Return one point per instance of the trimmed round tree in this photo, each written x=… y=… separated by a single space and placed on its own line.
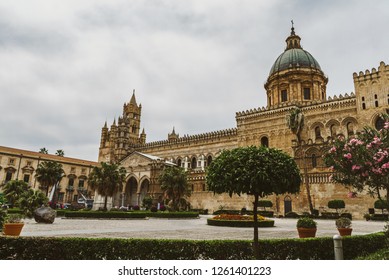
x=336 y=204
x=257 y=171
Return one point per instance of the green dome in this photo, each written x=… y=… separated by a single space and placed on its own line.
x=293 y=58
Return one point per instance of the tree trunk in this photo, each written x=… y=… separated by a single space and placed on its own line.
x=256 y=241
x=105 y=202
x=307 y=188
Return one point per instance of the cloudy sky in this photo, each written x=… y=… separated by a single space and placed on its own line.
x=66 y=67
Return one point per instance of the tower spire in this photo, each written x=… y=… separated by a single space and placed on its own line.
x=133 y=100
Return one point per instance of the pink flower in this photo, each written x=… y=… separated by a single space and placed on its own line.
x=332 y=150
x=377 y=171
x=386 y=125
x=355 y=167
x=355 y=142
x=385 y=166
x=348 y=156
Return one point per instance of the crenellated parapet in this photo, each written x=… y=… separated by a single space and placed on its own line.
x=188 y=139
x=372 y=88
x=280 y=109
x=373 y=74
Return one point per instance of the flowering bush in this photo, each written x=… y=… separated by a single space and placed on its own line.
x=363 y=160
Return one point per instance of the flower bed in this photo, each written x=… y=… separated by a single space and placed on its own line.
x=234 y=220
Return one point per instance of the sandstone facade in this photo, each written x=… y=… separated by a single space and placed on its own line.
x=17 y=164
x=295 y=81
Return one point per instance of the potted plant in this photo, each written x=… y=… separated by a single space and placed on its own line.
x=13 y=224
x=306 y=227
x=343 y=225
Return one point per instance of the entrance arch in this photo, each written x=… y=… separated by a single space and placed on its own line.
x=144 y=189
x=130 y=192
x=287 y=204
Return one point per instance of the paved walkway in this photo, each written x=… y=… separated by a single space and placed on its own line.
x=196 y=229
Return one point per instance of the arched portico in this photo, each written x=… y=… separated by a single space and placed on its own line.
x=144 y=189
x=130 y=195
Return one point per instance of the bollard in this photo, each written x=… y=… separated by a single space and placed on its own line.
x=338 y=247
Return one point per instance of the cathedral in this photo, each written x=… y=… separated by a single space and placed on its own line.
x=295 y=80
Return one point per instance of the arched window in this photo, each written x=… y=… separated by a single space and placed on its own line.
x=314 y=161
x=209 y=160
x=379 y=123
x=284 y=95
x=317 y=132
x=179 y=161
x=265 y=141
x=194 y=163
x=333 y=131
x=350 y=129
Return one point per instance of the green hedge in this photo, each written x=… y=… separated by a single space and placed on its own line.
x=379 y=217
x=105 y=215
x=128 y=214
x=169 y=215
x=226 y=223
x=41 y=248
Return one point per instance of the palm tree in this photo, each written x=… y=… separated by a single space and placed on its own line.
x=107 y=180
x=60 y=153
x=31 y=200
x=174 y=183
x=43 y=151
x=13 y=190
x=295 y=122
x=48 y=174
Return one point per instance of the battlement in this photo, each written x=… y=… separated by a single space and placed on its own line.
x=191 y=138
x=279 y=108
x=371 y=75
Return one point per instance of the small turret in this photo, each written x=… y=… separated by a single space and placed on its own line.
x=173 y=136
x=143 y=137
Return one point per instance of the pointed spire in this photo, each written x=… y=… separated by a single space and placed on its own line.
x=133 y=100
x=105 y=124
x=114 y=121
x=143 y=131
x=174 y=131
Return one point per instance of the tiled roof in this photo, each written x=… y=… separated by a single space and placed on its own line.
x=31 y=154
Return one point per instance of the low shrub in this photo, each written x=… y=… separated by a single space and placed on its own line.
x=346 y=215
x=336 y=204
x=173 y=215
x=136 y=208
x=293 y=215
x=153 y=209
x=105 y=215
x=329 y=215
x=381 y=204
x=66 y=248
x=269 y=214
x=379 y=217
x=265 y=203
x=306 y=222
x=239 y=223
x=223 y=211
